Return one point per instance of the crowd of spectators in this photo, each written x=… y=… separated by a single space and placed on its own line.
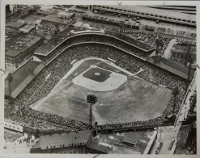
x=96 y=38
x=59 y=66
x=32 y=120
x=150 y=38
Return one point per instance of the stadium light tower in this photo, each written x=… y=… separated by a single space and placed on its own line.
x=91 y=99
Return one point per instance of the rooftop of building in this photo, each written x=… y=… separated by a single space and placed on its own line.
x=54 y=18
x=180 y=48
x=154 y=11
x=183 y=9
x=20 y=43
x=64 y=13
x=28 y=27
x=45 y=9
x=11 y=33
x=22 y=77
x=115 y=142
x=183 y=134
x=66 y=139
x=15 y=25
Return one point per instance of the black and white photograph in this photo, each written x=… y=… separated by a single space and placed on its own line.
x=100 y=79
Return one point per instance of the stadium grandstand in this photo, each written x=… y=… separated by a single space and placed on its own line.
x=114 y=39
x=56 y=70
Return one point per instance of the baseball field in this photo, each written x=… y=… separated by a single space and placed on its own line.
x=134 y=99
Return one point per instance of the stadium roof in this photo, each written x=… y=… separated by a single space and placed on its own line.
x=65 y=139
x=20 y=44
x=22 y=77
x=161 y=12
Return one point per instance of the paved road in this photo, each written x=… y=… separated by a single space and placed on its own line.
x=165 y=135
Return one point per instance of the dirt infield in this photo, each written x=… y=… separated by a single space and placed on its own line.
x=96 y=74
x=135 y=100
x=98 y=79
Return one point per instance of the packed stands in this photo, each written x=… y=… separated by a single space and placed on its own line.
x=58 y=66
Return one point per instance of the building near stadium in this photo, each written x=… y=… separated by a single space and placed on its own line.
x=15 y=25
x=11 y=33
x=65 y=15
x=73 y=143
x=61 y=19
x=22 y=77
x=21 y=48
x=182 y=52
x=112 y=21
x=83 y=142
x=27 y=28
x=150 y=13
